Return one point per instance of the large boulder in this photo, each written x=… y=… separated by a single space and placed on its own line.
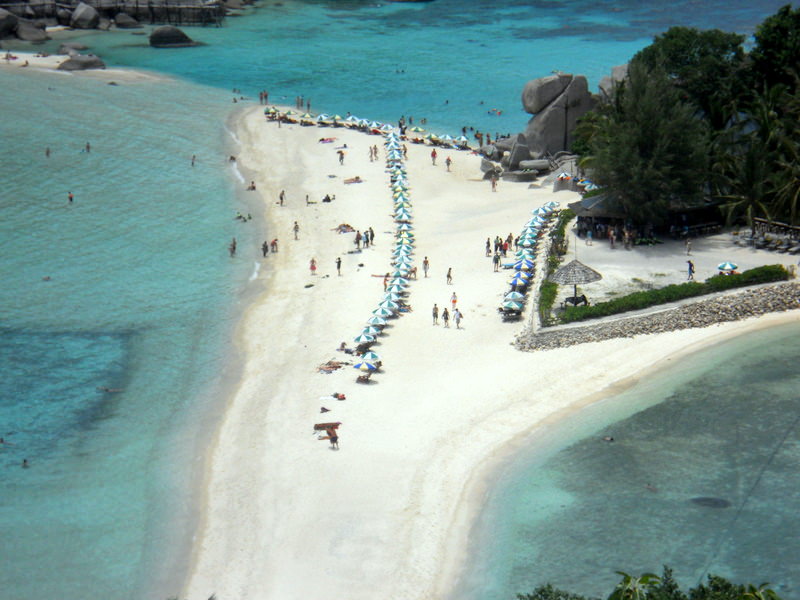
x=618 y=75
x=71 y=48
x=519 y=152
x=63 y=16
x=550 y=130
x=8 y=23
x=82 y=62
x=538 y=93
x=29 y=32
x=170 y=37
x=125 y=21
x=541 y=164
x=84 y=17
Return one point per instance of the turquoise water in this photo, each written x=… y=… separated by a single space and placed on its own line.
x=140 y=298
x=142 y=295
x=721 y=424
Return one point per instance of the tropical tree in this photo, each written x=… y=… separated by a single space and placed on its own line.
x=647 y=149
x=776 y=54
x=634 y=588
x=706 y=66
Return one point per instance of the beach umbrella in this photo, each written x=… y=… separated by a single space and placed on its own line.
x=551 y=205
x=374 y=125
x=527 y=243
x=417 y=129
x=402 y=215
x=386 y=128
x=590 y=187
x=370 y=330
x=431 y=137
x=389 y=304
x=514 y=296
x=518 y=281
x=290 y=112
x=405 y=227
x=364 y=338
x=322 y=117
x=540 y=212
x=363 y=123
x=370 y=356
x=365 y=365
x=402 y=251
x=270 y=111
x=575 y=273
x=512 y=305
x=727 y=266
x=336 y=118
x=396 y=290
x=399 y=281
x=306 y=116
x=399 y=273
x=376 y=321
x=382 y=312
x=402 y=261
x=352 y=119
x=523 y=265
x=461 y=139
x=446 y=138
x=524 y=253
x=563 y=176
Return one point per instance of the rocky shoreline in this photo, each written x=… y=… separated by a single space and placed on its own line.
x=730 y=307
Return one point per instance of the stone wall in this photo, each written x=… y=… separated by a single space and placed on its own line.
x=720 y=309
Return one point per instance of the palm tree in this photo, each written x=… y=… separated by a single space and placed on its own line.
x=761 y=592
x=634 y=588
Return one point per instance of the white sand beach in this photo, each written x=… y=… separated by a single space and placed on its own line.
x=388 y=514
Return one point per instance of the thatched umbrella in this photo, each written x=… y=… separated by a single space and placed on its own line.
x=574 y=273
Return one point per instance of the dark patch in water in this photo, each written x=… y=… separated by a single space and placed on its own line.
x=711 y=502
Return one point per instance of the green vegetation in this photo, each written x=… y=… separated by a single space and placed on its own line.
x=549 y=290
x=652 y=587
x=675 y=292
x=700 y=120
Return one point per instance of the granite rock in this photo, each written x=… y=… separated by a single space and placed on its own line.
x=84 y=17
x=30 y=32
x=538 y=93
x=82 y=62
x=8 y=23
x=125 y=21
x=170 y=37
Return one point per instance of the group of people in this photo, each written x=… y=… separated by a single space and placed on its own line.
x=446 y=314
x=366 y=238
x=269 y=247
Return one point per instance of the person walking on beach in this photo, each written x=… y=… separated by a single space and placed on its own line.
x=274 y=245
x=433 y=156
x=448 y=161
x=688 y=247
x=312 y=266
x=488 y=247
x=371 y=237
x=425 y=266
x=690 y=269
x=264 y=248
x=232 y=248
x=296 y=229
x=385 y=282
x=457 y=316
x=357 y=241
x=341 y=156
x=496 y=262
x=339 y=266
x=449 y=275
x=446 y=318
x=494 y=183
x=282 y=197
x=453 y=301
x=435 y=314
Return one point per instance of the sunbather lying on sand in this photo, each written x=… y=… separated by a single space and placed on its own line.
x=327 y=140
x=344 y=228
x=331 y=366
x=355 y=179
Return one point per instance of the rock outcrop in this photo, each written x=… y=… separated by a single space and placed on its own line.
x=29 y=31
x=81 y=62
x=125 y=21
x=557 y=102
x=71 y=48
x=607 y=83
x=170 y=37
x=8 y=23
x=84 y=17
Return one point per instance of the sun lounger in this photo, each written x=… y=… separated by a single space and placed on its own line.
x=364 y=378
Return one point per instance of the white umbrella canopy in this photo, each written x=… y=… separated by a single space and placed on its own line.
x=399 y=273
x=323 y=118
x=393 y=295
x=402 y=251
x=399 y=281
x=402 y=260
x=363 y=338
x=370 y=356
x=405 y=227
x=389 y=304
x=514 y=296
x=376 y=321
x=365 y=366
x=395 y=290
x=382 y=312
x=512 y=305
x=370 y=330
x=386 y=128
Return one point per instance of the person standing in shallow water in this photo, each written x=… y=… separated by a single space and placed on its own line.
x=449 y=276
x=264 y=248
x=232 y=248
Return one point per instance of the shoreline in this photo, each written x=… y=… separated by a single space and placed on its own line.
x=388 y=513
x=488 y=472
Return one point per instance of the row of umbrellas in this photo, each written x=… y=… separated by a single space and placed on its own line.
x=514 y=299
x=365 y=124
x=397 y=284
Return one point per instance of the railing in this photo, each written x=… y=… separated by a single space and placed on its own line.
x=145 y=11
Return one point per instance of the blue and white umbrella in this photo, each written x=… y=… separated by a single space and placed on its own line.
x=523 y=265
x=370 y=356
x=323 y=118
x=386 y=128
x=512 y=305
x=405 y=227
x=376 y=321
x=370 y=330
x=365 y=366
x=514 y=296
x=389 y=304
x=727 y=266
x=382 y=312
x=364 y=338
